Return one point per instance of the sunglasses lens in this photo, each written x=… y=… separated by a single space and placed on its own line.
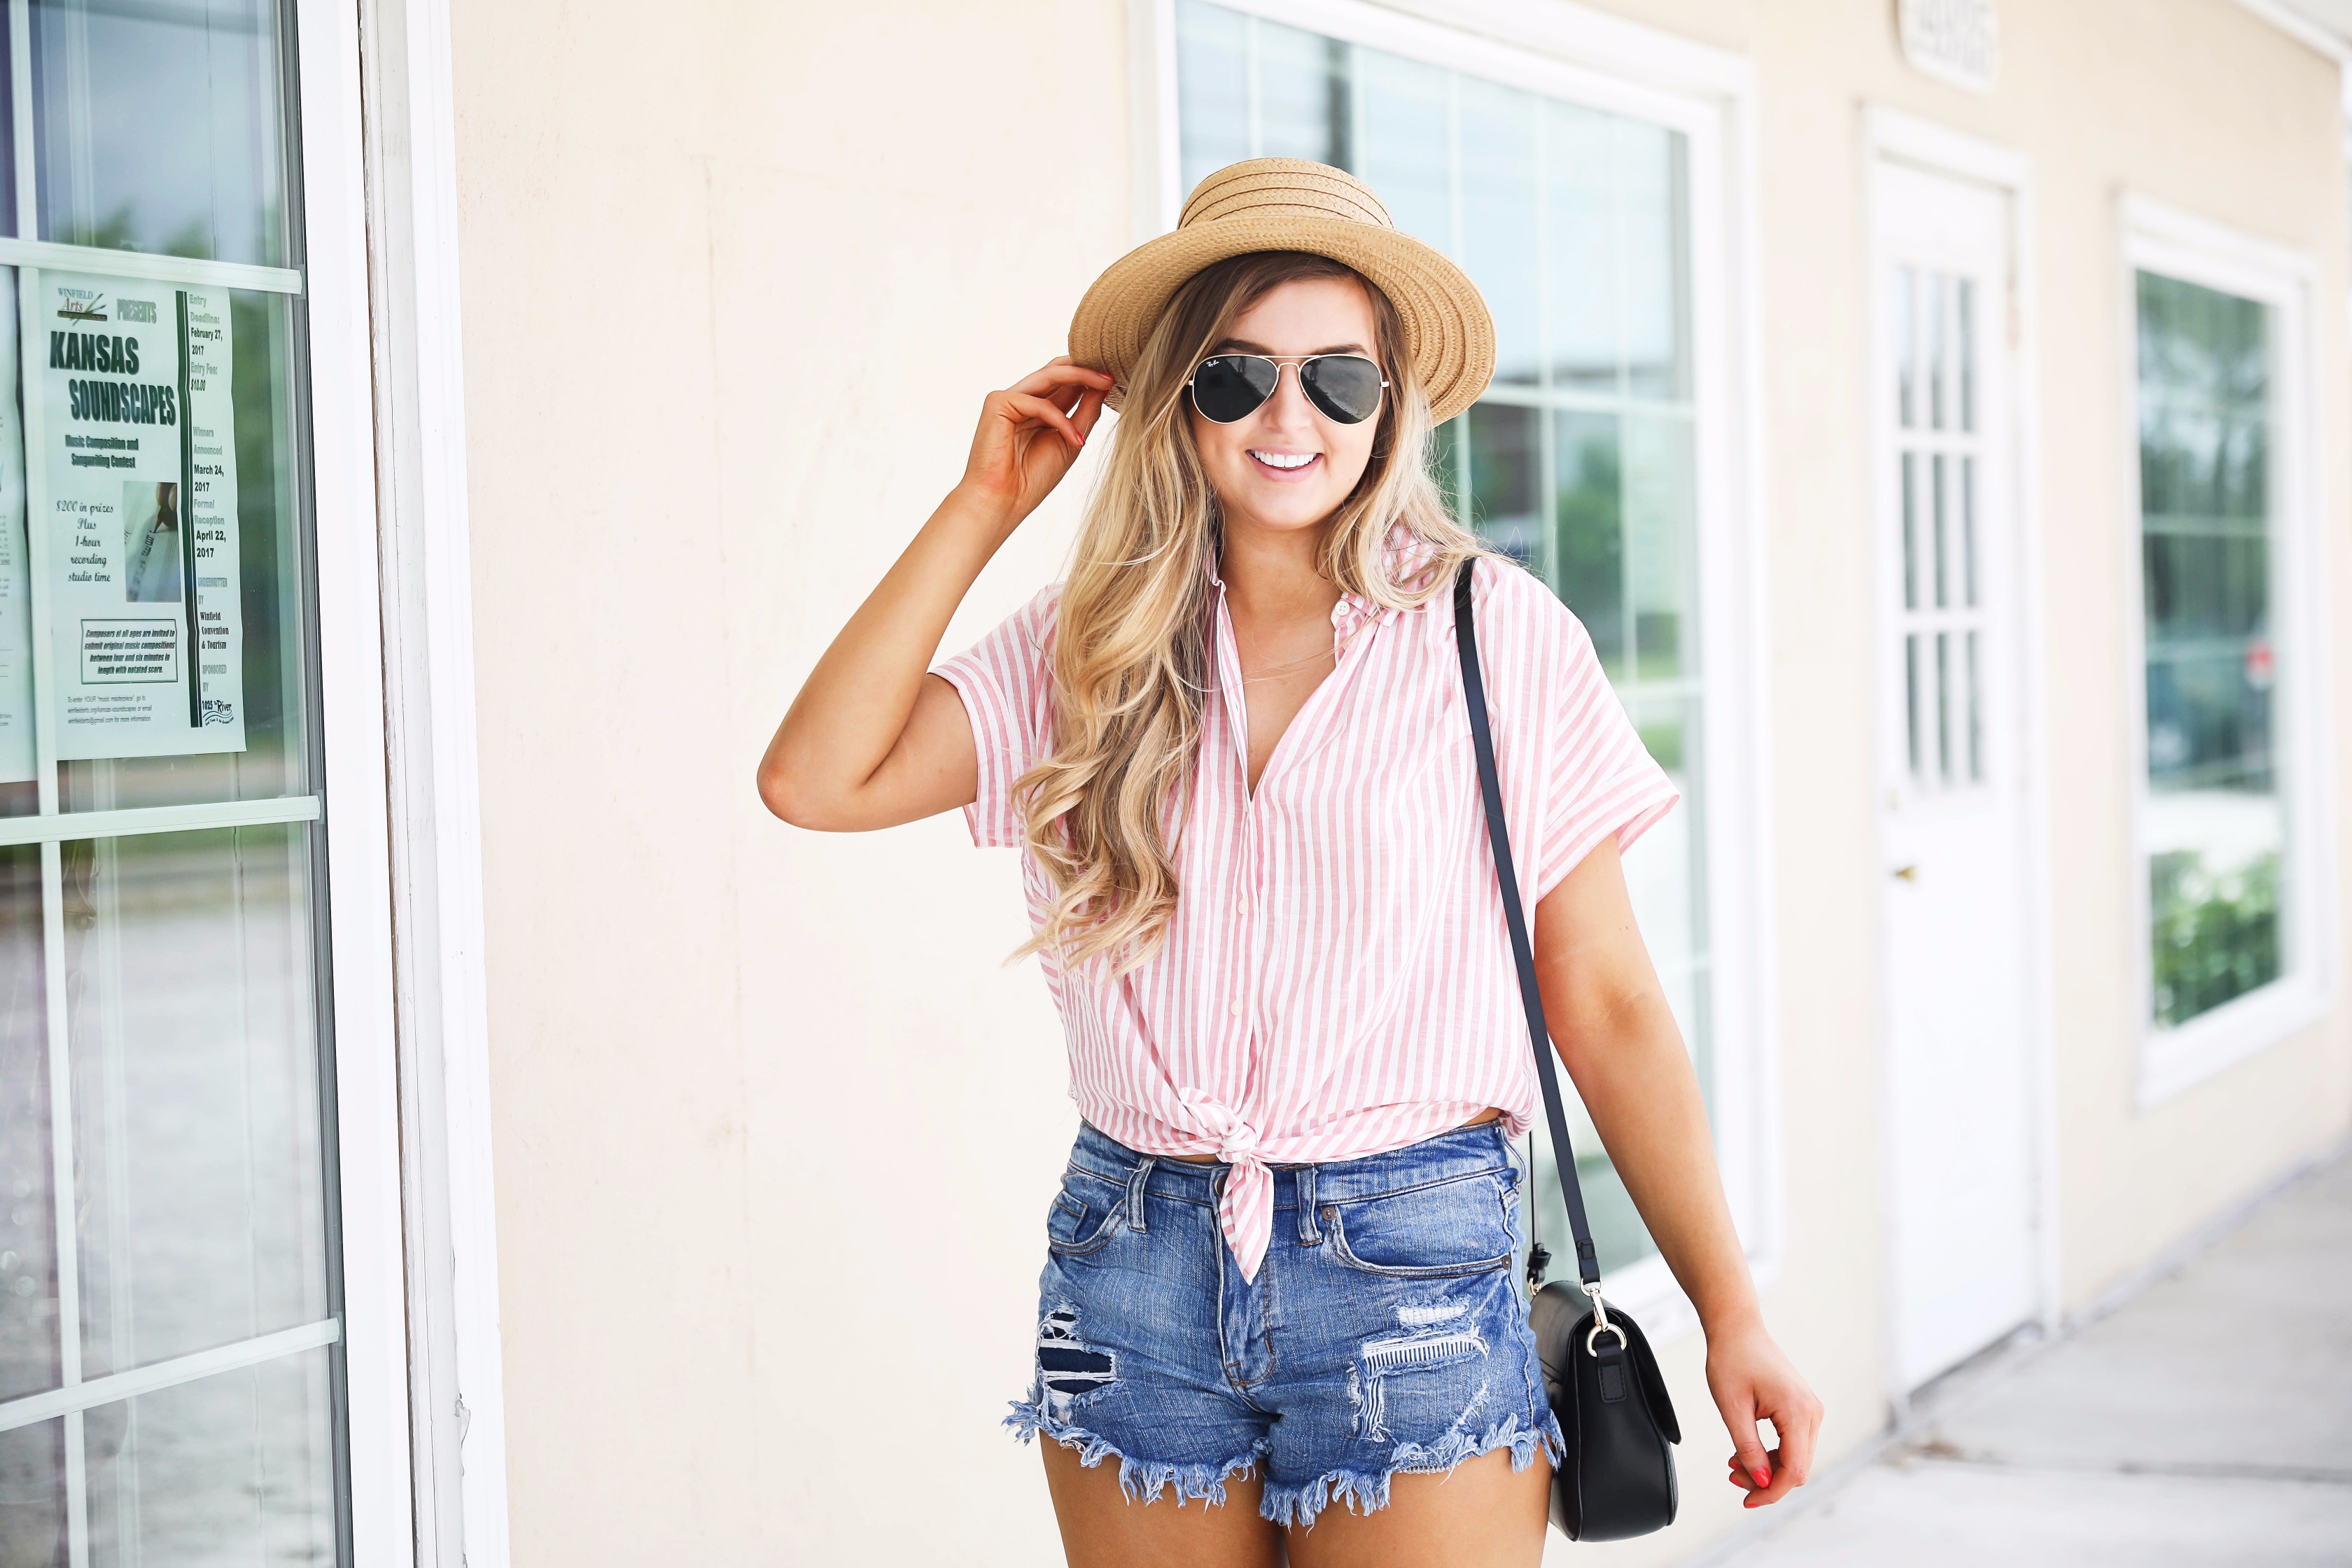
x=1231 y=386
x=1345 y=386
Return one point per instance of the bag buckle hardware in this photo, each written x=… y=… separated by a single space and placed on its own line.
x=1600 y=1320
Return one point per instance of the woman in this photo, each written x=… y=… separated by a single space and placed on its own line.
x=1235 y=751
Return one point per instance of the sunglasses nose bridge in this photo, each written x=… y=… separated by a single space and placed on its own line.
x=1300 y=403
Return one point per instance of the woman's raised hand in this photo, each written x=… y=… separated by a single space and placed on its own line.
x=1029 y=436
x=873 y=739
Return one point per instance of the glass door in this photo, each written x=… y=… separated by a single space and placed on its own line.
x=171 y=1375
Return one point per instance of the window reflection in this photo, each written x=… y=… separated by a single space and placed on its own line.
x=1213 y=88
x=1403 y=131
x=1587 y=300
x=158 y=127
x=1589 y=567
x=1501 y=243
x=1660 y=520
x=1301 y=95
x=2216 y=826
x=1505 y=458
x=28 y=1214
x=32 y=1496
x=231 y=1469
x=195 y=1090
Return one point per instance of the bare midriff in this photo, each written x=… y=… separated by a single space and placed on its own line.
x=1489 y=1114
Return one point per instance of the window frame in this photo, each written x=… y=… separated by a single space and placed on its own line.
x=2160 y=238
x=1604 y=62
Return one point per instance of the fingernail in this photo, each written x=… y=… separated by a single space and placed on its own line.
x=1763 y=1479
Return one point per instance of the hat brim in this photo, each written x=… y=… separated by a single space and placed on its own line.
x=1449 y=335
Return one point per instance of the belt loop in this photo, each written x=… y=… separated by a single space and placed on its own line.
x=1136 y=1180
x=1308 y=1236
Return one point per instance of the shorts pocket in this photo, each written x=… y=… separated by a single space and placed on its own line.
x=1439 y=1232
x=1075 y=1226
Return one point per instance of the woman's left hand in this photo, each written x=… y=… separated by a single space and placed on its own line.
x=1752 y=1381
x=1615 y=1033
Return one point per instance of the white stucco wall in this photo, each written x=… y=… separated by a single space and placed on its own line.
x=774 y=1127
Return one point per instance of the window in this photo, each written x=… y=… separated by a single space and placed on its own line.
x=171 y=1314
x=2216 y=826
x=2223 y=665
x=1940 y=453
x=1582 y=459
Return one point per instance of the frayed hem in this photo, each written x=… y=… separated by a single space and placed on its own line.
x=1297 y=1507
x=1142 y=1481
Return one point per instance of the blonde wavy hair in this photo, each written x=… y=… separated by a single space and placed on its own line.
x=1131 y=652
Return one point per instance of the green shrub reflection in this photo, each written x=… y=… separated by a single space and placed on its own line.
x=2216 y=933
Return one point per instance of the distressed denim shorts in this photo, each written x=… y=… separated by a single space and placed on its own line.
x=1385 y=1331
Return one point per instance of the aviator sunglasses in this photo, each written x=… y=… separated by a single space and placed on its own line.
x=1343 y=387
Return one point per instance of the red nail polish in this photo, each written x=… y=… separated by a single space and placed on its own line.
x=1762 y=1478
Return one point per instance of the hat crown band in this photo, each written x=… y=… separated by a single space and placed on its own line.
x=1289 y=186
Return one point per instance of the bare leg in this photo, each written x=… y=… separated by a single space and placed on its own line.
x=1101 y=1529
x=1482 y=1515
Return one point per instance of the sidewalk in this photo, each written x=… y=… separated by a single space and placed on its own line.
x=2207 y=1421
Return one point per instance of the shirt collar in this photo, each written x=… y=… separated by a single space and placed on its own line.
x=1404 y=554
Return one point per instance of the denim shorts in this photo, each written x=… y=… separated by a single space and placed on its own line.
x=1385 y=1331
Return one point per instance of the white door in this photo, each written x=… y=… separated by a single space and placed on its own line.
x=1952 y=775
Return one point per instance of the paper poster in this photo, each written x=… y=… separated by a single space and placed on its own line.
x=136 y=458
x=16 y=582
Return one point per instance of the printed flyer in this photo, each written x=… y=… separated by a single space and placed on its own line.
x=135 y=453
x=16 y=582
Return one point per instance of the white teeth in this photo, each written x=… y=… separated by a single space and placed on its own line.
x=1283 y=460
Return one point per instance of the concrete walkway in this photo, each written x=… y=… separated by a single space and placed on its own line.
x=2207 y=1421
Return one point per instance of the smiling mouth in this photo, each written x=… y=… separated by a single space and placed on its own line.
x=1289 y=465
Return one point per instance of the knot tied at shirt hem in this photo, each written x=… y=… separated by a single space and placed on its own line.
x=1245 y=1209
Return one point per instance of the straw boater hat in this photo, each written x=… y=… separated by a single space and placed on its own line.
x=1289 y=203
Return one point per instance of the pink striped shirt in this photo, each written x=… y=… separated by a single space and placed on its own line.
x=1335 y=979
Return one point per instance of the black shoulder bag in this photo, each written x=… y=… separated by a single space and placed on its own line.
x=1618 y=1480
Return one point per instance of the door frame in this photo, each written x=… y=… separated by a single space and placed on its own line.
x=1891 y=137
x=407 y=158
x=428 y=1467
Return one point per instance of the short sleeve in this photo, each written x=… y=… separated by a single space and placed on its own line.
x=1596 y=778
x=1005 y=682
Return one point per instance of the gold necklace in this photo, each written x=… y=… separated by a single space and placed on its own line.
x=1270 y=671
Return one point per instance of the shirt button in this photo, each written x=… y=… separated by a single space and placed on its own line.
x=1242 y=905
x=1237 y=1009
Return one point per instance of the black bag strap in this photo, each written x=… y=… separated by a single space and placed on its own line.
x=1490 y=786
